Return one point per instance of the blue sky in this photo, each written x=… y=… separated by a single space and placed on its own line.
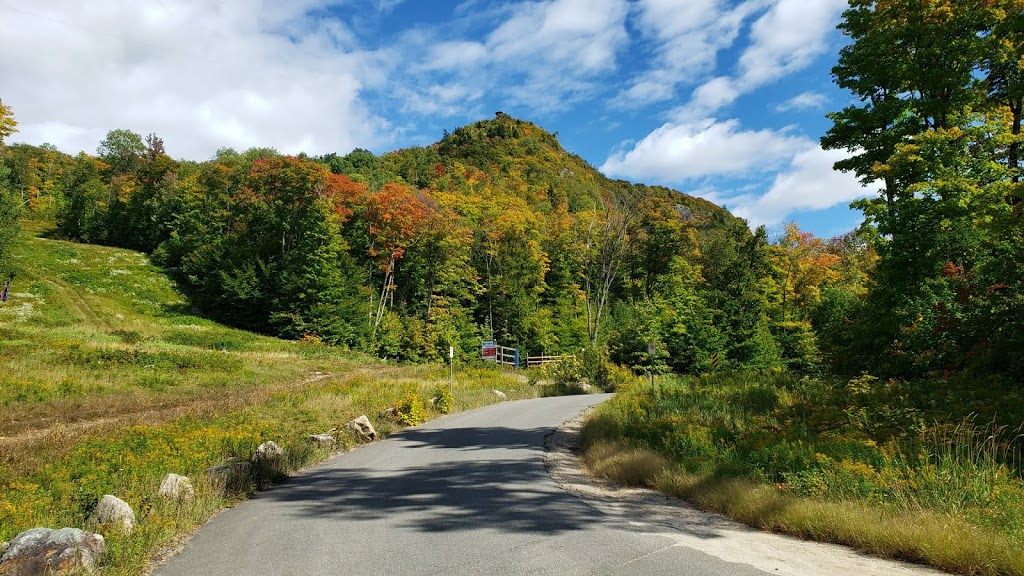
x=721 y=99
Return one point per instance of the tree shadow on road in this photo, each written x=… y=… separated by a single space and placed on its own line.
x=499 y=491
x=504 y=486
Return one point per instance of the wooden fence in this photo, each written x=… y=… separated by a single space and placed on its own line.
x=534 y=361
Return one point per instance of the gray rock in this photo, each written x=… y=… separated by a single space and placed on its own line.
x=230 y=475
x=321 y=440
x=112 y=510
x=389 y=414
x=500 y=394
x=269 y=452
x=175 y=487
x=58 y=552
x=362 y=428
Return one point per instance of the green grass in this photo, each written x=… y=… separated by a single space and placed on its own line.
x=857 y=463
x=110 y=382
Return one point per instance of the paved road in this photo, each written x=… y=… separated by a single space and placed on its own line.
x=467 y=494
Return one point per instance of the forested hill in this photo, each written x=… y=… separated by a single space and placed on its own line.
x=514 y=157
x=495 y=231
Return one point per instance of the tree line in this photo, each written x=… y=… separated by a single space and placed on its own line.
x=494 y=232
x=497 y=232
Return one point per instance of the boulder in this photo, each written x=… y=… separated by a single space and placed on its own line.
x=500 y=394
x=269 y=452
x=58 y=552
x=321 y=440
x=362 y=429
x=389 y=414
x=230 y=475
x=175 y=487
x=114 y=511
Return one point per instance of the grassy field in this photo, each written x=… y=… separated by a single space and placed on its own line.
x=867 y=463
x=108 y=382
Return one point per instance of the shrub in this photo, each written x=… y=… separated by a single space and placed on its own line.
x=595 y=368
x=411 y=410
x=569 y=370
x=443 y=399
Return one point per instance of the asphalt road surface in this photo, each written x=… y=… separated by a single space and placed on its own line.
x=466 y=494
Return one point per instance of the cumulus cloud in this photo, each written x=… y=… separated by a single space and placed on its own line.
x=713 y=152
x=541 y=56
x=201 y=74
x=676 y=153
x=689 y=36
x=809 y=183
x=804 y=101
x=786 y=38
x=569 y=35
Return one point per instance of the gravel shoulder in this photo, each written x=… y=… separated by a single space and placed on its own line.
x=713 y=534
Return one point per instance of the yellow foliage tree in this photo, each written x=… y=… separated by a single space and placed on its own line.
x=8 y=125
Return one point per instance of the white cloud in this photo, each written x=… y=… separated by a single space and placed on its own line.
x=679 y=152
x=709 y=97
x=788 y=37
x=386 y=6
x=729 y=166
x=541 y=55
x=455 y=55
x=566 y=34
x=805 y=101
x=689 y=36
x=809 y=183
x=201 y=74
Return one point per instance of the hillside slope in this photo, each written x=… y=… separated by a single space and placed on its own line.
x=91 y=331
x=109 y=382
x=519 y=157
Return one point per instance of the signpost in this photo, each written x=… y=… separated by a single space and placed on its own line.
x=451 y=370
x=489 y=350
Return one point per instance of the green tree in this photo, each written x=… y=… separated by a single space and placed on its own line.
x=946 y=146
x=82 y=215
x=10 y=202
x=10 y=211
x=122 y=151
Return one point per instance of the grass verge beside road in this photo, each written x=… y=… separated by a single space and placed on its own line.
x=109 y=383
x=797 y=456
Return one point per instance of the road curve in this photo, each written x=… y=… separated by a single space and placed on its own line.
x=466 y=494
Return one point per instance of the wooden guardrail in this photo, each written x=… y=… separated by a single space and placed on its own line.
x=532 y=361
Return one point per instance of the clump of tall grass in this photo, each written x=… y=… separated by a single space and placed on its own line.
x=820 y=460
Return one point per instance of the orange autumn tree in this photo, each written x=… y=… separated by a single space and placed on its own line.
x=806 y=265
x=398 y=218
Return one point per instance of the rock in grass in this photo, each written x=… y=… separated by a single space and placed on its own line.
x=58 y=552
x=362 y=428
x=175 y=487
x=500 y=394
x=230 y=475
x=269 y=452
x=114 y=511
x=321 y=440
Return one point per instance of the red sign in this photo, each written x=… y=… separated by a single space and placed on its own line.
x=489 y=350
